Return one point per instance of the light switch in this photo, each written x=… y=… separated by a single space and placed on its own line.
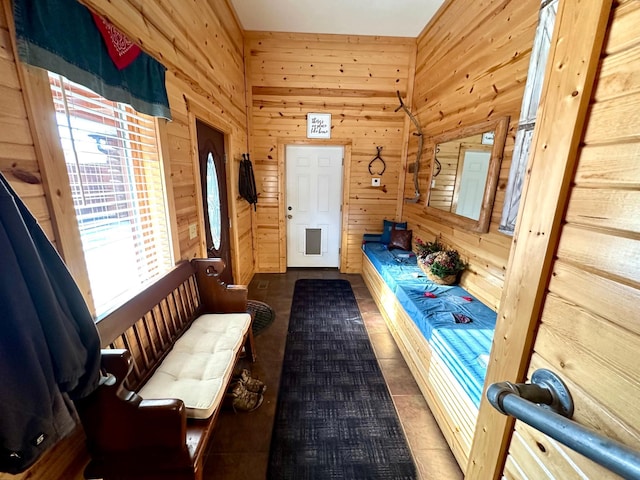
x=193 y=231
x=375 y=182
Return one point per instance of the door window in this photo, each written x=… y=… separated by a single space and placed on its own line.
x=213 y=202
x=213 y=184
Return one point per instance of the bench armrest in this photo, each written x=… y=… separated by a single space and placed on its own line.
x=117 y=420
x=217 y=297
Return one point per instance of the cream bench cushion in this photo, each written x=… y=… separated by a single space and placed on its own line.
x=198 y=367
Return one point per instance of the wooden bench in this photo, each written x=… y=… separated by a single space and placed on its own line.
x=132 y=437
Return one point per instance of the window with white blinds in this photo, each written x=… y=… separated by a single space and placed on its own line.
x=116 y=179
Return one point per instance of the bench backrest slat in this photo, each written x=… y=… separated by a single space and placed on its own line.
x=149 y=324
x=114 y=323
x=172 y=313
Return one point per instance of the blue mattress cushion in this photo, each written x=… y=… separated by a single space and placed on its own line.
x=463 y=347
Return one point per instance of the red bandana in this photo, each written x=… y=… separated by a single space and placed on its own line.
x=121 y=50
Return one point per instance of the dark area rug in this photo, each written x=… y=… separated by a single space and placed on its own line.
x=335 y=418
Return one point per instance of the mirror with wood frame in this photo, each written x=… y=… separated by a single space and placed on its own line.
x=464 y=174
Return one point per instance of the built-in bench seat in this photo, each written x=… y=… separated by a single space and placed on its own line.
x=168 y=357
x=447 y=359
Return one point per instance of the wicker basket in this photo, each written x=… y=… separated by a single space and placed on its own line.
x=448 y=280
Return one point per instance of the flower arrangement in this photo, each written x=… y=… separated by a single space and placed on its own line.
x=440 y=265
x=423 y=249
x=445 y=263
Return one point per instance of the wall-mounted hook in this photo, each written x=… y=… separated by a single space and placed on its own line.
x=377 y=157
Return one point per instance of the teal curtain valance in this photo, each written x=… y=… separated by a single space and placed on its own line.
x=62 y=37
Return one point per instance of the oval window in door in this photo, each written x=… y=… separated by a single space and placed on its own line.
x=213 y=202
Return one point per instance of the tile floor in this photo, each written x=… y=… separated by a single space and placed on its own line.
x=240 y=445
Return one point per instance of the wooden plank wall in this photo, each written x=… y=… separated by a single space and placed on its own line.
x=594 y=292
x=17 y=150
x=203 y=51
x=471 y=66
x=202 y=47
x=353 y=78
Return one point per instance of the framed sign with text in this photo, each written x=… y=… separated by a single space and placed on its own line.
x=487 y=138
x=318 y=125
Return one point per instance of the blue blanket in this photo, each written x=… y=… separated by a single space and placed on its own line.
x=463 y=347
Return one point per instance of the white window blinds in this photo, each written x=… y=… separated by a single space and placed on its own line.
x=117 y=184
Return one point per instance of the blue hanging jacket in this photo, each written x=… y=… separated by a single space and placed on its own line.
x=49 y=346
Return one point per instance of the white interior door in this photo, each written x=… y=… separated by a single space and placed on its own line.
x=313 y=201
x=472 y=183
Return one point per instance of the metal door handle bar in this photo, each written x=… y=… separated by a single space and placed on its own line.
x=546 y=405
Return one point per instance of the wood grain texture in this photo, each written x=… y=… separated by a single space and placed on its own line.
x=589 y=330
x=28 y=104
x=203 y=50
x=201 y=45
x=37 y=95
x=17 y=150
x=453 y=173
x=353 y=78
x=531 y=450
x=561 y=121
x=471 y=67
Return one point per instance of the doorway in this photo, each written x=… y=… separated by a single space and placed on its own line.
x=473 y=179
x=213 y=175
x=314 y=204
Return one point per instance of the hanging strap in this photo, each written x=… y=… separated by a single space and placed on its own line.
x=247 y=182
x=253 y=192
